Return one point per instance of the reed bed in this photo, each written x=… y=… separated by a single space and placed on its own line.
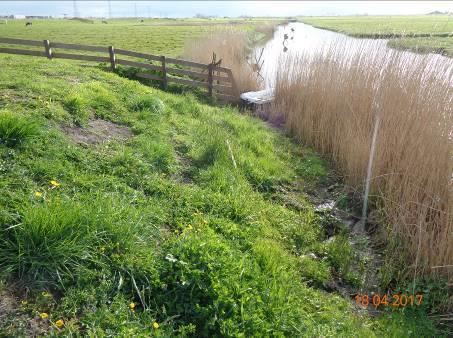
x=232 y=46
x=332 y=99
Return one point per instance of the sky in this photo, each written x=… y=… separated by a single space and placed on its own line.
x=178 y=9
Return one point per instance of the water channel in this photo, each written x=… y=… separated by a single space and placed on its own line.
x=297 y=38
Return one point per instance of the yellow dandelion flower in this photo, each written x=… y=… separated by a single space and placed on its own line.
x=44 y=315
x=59 y=323
x=132 y=306
x=155 y=325
x=46 y=294
x=38 y=194
x=189 y=227
x=24 y=302
x=54 y=183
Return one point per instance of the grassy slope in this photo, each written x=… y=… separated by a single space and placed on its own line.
x=438 y=26
x=153 y=36
x=163 y=219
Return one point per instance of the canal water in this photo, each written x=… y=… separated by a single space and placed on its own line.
x=298 y=38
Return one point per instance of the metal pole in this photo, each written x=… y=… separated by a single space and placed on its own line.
x=360 y=227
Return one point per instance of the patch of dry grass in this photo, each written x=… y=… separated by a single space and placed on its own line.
x=232 y=47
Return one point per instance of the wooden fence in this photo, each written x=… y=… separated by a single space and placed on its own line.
x=216 y=80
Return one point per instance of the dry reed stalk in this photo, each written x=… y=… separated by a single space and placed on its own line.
x=230 y=45
x=267 y=29
x=330 y=100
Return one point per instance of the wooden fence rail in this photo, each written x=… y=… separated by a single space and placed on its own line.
x=195 y=74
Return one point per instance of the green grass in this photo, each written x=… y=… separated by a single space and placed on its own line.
x=155 y=36
x=421 y=33
x=163 y=219
x=15 y=130
x=437 y=45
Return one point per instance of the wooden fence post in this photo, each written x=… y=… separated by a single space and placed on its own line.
x=210 y=71
x=164 y=73
x=112 y=57
x=47 y=48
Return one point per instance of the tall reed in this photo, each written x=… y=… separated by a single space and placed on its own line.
x=331 y=100
x=232 y=46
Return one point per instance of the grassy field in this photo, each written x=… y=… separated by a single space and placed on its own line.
x=439 y=45
x=129 y=211
x=154 y=224
x=425 y=33
x=153 y=35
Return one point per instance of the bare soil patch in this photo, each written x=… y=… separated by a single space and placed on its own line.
x=12 y=315
x=97 y=131
x=7 y=304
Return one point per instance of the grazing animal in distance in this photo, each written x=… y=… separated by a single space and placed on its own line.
x=142 y=20
x=292 y=29
x=104 y=22
x=28 y=24
x=285 y=37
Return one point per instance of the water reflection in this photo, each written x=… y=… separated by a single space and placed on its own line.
x=297 y=38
